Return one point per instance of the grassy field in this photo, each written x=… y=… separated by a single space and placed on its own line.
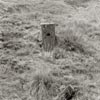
x=25 y=74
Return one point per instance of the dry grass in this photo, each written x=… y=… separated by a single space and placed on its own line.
x=44 y=86
x=20 y=52
x=76 y=3
x=72 y=38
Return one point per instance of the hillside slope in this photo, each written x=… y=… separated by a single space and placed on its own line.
x=76 y=60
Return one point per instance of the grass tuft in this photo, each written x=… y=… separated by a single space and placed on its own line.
x=76 y=3
x=72 y=38
x=44 y=86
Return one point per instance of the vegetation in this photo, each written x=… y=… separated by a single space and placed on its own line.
x=25 y=74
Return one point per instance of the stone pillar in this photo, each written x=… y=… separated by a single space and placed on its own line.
x=48 y=36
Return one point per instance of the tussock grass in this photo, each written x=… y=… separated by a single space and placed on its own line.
x=73 y=38
x=59 y=53
x=48 y=84
x=44 y=86
x=76 y=3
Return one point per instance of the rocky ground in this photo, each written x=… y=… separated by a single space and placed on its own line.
x=25 y=74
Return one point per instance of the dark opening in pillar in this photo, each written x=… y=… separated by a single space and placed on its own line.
x=48 y=34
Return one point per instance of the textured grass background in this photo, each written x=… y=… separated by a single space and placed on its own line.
x=25 y=74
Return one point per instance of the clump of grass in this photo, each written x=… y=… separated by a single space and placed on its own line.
x=44 y=86
x=72 y=38
x=76 y=2
x=59 y=53
x=48 y=85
